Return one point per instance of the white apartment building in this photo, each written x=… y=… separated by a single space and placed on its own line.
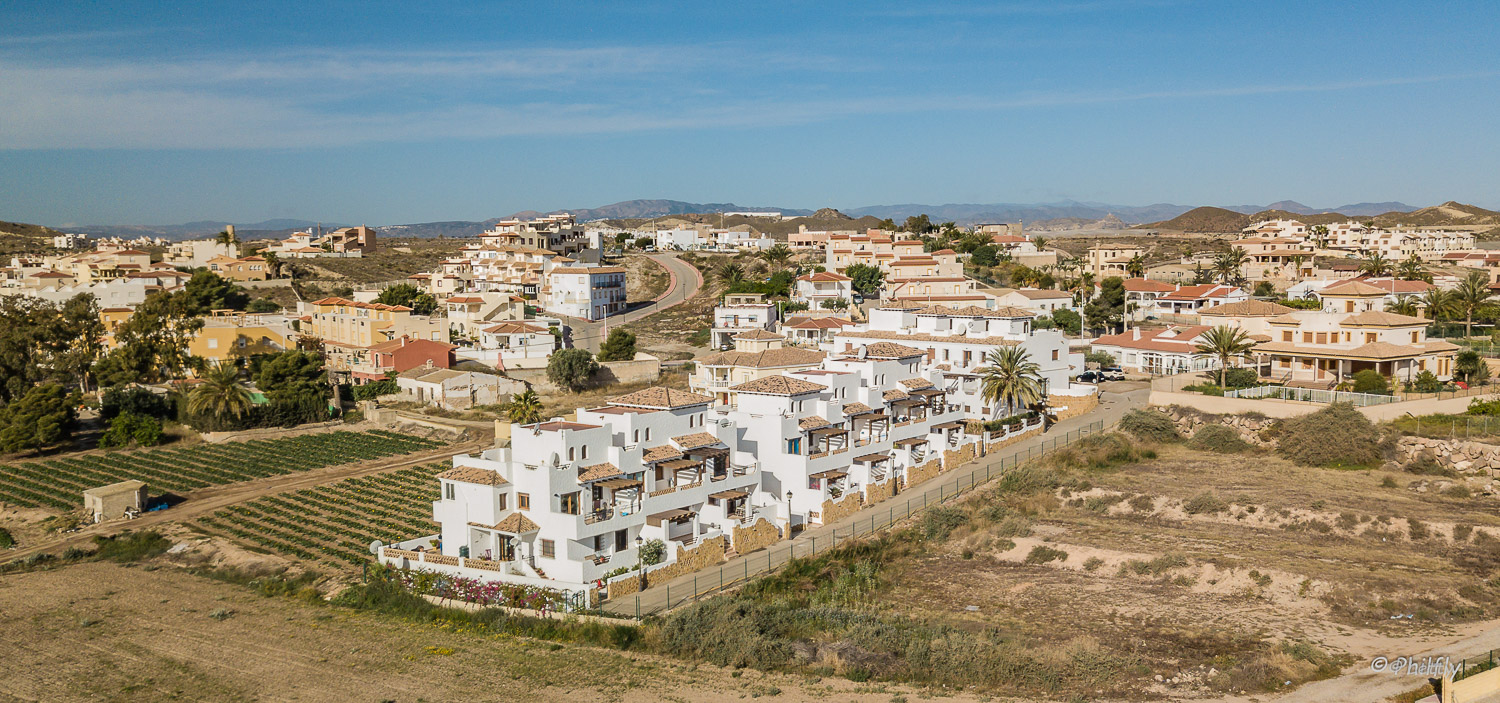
x=683 y=239
x=513 y=344
x=560 y=234
x=196 y=253
x=814 y=288
x=569 y=502
x=470 y=313
x=588 y=292
x=741 y=313
x=1358 y=239
x=957 y=342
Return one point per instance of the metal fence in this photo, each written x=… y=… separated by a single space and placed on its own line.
x=819 y=540
x=1312 y=395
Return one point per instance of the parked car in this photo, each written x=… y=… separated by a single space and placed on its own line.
x=1113 y=373
x=857 y=298
x=1088 y=377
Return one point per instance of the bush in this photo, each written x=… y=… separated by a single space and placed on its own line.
x=137 y=400
x=375 y=389
x=1218 y=438
x=1370 y=381
x=1336 y=436
x=653 y=552
x=1100 y=358
x=6 y=541
x=571 y=368
x=1205 y=504
x=938 y=523
x=1237 y=378
x=619 y=346
x=1150 y=426
x=1471 y=368
x=1205 y=389
x=128 y=428
x=1041 y=554
x=1427 y=382
x=131 y=546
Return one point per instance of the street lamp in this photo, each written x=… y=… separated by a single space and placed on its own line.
x=789 y=514
x=640 y=564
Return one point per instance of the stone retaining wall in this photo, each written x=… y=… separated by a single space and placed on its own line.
x=1249 y=427
x=1077 y=405
x=925 y=472
x=1458 y=455
x=709 y=552
x=954 y=458
x=876 y=492
x=1014 y=438
x=833 y=511
x=758 y=536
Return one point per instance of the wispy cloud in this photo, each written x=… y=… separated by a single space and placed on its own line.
x=79 y=37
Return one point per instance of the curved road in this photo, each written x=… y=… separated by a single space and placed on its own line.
x=686 y=281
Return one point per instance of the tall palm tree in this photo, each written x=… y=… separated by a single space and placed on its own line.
x=1136 y=267
x=1405 y=306
x=273 y=263
x=1471 y=294
x=1226 y=344
x=777 y=256
x=1411 y=269
x=1437 y=302
x=1039 y=242
x=1320 y=235
x=1297 y=261
x=1229 y=264
x=1375 y=264
x=1011 y=378
x=220 y=394
x=226 y=238
x=525 y=408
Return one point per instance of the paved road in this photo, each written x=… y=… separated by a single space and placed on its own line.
x=206 y=500
x=686 y=281
x=1116 y=400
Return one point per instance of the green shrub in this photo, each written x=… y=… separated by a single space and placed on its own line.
x=1143 y=503
x=1150 y=426
x=1336 y=436
x=1101 y=358
x=1482 y=407
x=1222 y=439
x=1236 y=378
x=1205 y=389
x=1153 y=567
x=1427 y=382
x=1370 y=381
x=6 y=541
x=131 y=546
x=128 y=427
x=1205 y=503
x=938 y=523
x=1092 y=564
x=653 y=551
x=375 y=389
x=1041 y=554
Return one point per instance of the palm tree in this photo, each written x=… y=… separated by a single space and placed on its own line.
x=730 y=273
x=1226 y=344
x=273 y=263
x=1471 y=294
x=1230 y=264
x=1375 y=264
x=1297 y=261
x=1320 y=235
x=1437 y=302
x=1405 y=306
x=1011 y=378
x=525 y=408
x=1039 y=242
x=220 y=394
x=1136 y=267
x=1411 y=269
x=777 y=256
x=227 y=238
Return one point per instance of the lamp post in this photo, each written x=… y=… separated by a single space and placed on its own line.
x=788 y=514
x=640 y=563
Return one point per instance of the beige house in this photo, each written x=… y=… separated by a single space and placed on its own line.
x=347 y=323
x=250 y=268
x=1104 y=261
x=1316 y=349
x=757 y=354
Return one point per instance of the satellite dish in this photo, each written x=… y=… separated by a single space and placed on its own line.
x=864 y=353
x=375 y=547
x=552 y=460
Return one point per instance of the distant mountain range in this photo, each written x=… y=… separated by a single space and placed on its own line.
x=1067 y=214
x=1221 y=220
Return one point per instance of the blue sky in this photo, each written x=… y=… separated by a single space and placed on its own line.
x=389 y=112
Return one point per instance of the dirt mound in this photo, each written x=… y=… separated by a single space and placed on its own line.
x=829 y=213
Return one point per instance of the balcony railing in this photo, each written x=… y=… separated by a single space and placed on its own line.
x=598 y=516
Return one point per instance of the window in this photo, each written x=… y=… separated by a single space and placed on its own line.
x=549 y=549
x=968 y=354
x=448 y=491
x=648 y=434
x=213 y=343
x=570 y=453
x=1369 y=338
x=1348 y=306
x=569 y=503
x=1413 y=336
x=1322 y=338
x=636 y=436
x=794 y=446
x=585 y=451
x=1286 y=336
x=814 y=484
x=1054 y=355
x=500 y=506
x=523 y=501
x=1307 y=337
x=622 y=541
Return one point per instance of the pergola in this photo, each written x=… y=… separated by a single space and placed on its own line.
x=828 y=435
x=877 y=472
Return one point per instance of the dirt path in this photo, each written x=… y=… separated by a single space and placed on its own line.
x=684 y=284
x=207 y=500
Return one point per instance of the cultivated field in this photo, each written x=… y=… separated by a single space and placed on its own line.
x=59 y=483
x=333 y=525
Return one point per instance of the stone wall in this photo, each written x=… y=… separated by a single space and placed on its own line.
x=925 y=472
x=1249 y=427
x=709 y=552
x=954 y=458
x=758 y=536
x=876 y=492
x=997 y=444
x=643 y=369
x=1450 y=454
x=1077 y=405
x=844 y=507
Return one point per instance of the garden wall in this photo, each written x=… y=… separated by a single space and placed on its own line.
x=925 y=472
x=876 y=492
x=758 y=536
x=709 y=552
x=833 y=511
x=643 y=369
x=1076 y=405
x=992 y=446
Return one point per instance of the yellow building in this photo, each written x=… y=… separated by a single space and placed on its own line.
x=250 y=268
x=227 y=335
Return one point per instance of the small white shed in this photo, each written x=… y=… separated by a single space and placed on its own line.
x=111 y=502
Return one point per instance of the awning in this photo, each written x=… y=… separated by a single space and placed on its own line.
x=730 y=495
x=948 y=425
x=909 y=401
x=830 y=430
x=616 y=484
x=676 y=464
x=927 y=391
x=673 y=515
x=914 y=441
x=707 y=453
x=872 y=457
x=831 y=473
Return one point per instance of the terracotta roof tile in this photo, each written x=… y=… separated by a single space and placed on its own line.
x=812 y=423
x=778 y=385
x=695 y=440
x=770 y=358
x=473 y=474
x=662 y=453
x=661 y=398
x=598 y=471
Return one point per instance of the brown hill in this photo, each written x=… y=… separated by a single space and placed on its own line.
x=828 y=213
x=1203 y=219
x=17 y=237
x=1322 y=218
x=777 y=230
x=1449 y=213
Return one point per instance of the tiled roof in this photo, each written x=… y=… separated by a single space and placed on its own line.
x=1181 y=343
x=891 y=350
x=916 y=383
x=976 y=311
x=812 y=423
x=1352 y=287
x=1387 y=285
x=661 y=398
x=695 y=440
x=922 y=337
x=1373 y=350
x=824 y=276
x=816 y=323
x=472 y=474
x=855 y=408
x=770 y=358
x=1207 y=290
x=1038 y=294
x=1248 y=308
x=662 y=453
x=597 y=471
x=1373 y=318
x=758 y=333
x=778 y=385
x=516 y=524
x=893 y=395
x=515 y=328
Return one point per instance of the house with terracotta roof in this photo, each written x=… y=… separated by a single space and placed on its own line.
x=740 y=313
x=1104 y=261
x=250 y=268
x=469 y=313
x=1171 y=350
x=756 y=354
x=1318 y=349
x=1141 y=295
x=1041 y=302
x=956 y=342
x=513 y=344
x=378 y=361
x=1192 y=299
x=815 y=288
x=571 y=501
x=813 y=330
x=1363 y=294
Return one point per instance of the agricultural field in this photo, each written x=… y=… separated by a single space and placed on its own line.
x=335 y=523
x=59 y=483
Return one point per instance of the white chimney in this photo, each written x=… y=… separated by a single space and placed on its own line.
x=1136 y=333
